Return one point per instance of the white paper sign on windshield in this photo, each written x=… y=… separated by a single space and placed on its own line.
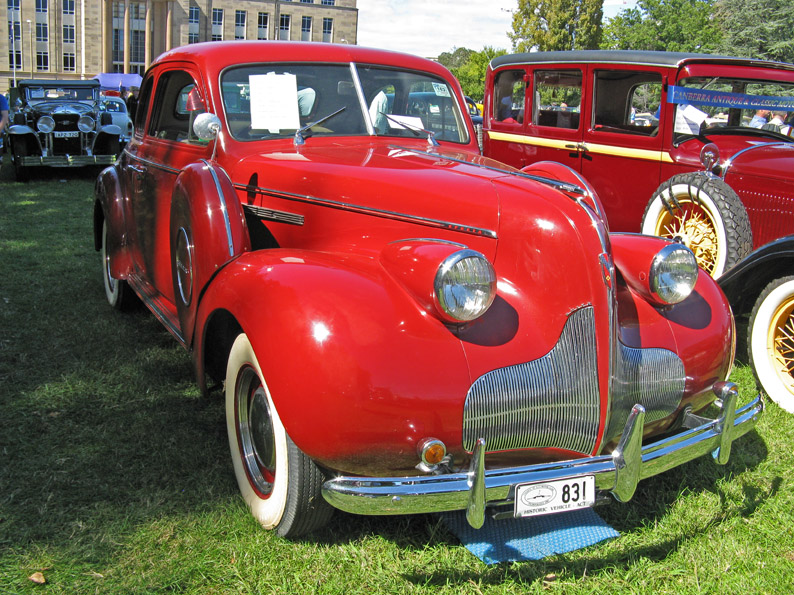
x=688 y=119
x=401 y=122
x=274 y=102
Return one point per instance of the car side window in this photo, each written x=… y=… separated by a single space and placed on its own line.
x=175 y=107
x=627 y=102
x=144 y=98
x=509 y=93
x=557 y=98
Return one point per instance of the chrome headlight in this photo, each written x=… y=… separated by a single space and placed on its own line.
x=465 y=285
x=45 y=124
x=673 y=273
x=86 y=124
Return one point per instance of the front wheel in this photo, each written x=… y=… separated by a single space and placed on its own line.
x=280 y=484
x=770 y=342
x=706 y=215
x=118 y=293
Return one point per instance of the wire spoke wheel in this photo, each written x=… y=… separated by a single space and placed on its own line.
x=780 y=343
x=696 y=228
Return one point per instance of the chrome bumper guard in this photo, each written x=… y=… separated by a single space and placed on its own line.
x=66 y=160
x=617 y=473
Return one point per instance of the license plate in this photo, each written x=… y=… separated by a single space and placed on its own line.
x=549 y=497
x=69 y=134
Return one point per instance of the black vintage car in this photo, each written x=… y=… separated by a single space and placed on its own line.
x=60 y=124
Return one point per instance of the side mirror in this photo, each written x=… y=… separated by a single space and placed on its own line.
x=206 y=126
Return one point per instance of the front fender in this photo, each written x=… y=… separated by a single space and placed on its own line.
x=358 y=371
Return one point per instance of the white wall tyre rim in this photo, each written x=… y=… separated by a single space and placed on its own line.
x=776 y=305
x=267 y=508
x=657 y=212
x=111 y=284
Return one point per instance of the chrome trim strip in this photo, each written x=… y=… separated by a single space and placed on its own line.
x=224 y=210
x=153 y=301
x=274 y=215
x=333 y=204
x=557 y=184
x=617 y=472
x=165 y=168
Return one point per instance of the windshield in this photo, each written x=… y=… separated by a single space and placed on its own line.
x=61 y=93
x=706 y=104
x=275 y=100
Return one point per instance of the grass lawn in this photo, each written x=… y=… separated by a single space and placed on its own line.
x=115 y=475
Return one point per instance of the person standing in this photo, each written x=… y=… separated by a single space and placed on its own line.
x=132 y=103
x=3 y=121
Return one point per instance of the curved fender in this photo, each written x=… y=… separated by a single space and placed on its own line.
x=699 y=329
x=109 y=206
x=358 y=371
x=20 y=130
x=207 y=230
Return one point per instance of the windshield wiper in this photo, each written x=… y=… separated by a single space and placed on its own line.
x=417 y=131
x=300 y=139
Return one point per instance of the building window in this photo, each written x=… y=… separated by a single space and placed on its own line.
x=261 y=30
x=13 y=5
x=283 y=27
x=68 y=33
x=217 y=17
x=328 y=30
x=42 y=61
x=193 y=15
x=239 y=24
x=41 y=5
x=118 y=46
x=192 y=37
x=41 y=32
x=15 y=64
x=327 y=2
x=307 y=1
x=69 y=63
x=15 y=30
x=68 y=8
x=138 y=46
x=306 y=29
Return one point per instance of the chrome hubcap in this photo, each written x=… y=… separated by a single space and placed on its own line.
x=255 y=432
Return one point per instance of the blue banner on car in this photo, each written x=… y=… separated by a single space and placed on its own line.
x=693 y=96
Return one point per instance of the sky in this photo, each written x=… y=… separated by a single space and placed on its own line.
x=430 y=27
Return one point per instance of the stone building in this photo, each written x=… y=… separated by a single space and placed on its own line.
x=73 y=39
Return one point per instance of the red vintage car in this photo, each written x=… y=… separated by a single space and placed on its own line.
x=676 y=144
x=402 y=325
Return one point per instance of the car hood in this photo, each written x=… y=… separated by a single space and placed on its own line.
x=70 y=108
x=453 y=190
x=767 y=160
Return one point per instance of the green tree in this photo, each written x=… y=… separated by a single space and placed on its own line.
x=757 y=29
x=471 y=74
x=557 y=25
x=665 y=25
x=455 y=58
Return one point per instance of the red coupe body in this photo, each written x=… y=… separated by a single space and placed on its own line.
x=396 y=290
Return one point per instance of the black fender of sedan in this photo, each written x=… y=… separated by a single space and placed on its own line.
x=743 y=283
x=22 y=136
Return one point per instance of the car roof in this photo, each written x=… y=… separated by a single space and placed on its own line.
x=217 y=55
x=57 y=83
x=643 y=57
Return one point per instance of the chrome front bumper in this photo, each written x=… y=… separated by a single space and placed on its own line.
x=617 y=473
x=66 y=160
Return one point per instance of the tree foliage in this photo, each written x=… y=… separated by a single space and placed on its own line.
x=756 y=28
x=557 y=25
x=664 y=25
x=469 y=68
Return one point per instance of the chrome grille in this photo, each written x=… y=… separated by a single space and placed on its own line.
x=549 y=402
x=554 y=402
x=654 y=378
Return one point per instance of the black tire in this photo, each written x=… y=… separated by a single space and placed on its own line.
x=20 y=149
x=706 y=214
x=770 y=341
x=280 y=484
x=117 y=291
